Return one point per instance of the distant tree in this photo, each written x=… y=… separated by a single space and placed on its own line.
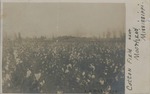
x=42 y=38
x=19 y=36
x=122 y=35
x=53 y=36
x=99 y=37
x=114 y=34
x=15 y=36
x=104 y=34
x=108 y=34
x=6 y=36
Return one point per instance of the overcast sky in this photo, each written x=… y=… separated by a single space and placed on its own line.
x=58 y=19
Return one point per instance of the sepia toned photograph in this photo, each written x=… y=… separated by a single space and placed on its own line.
x=63 y=48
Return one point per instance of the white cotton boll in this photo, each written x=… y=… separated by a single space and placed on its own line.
x=122 y=71
x=101 y=82
x=116 y=78
x=15 y=53
x=7 y=62
x=111 y=66
x=21 y=61
x=109 y=88
x=52 y=65
x=88 y=80
x=42 y=62
x=115 y=71
x=76 y=69
x=106 y=92
x=67 y=71
x=47 y=65
x=8 y=84
x=83 y=73
x=89 y=75
x=6 y=67
x=7 y=77
x=59 y=92
x=17 y=61
x=92 y=67
x=105 y=73
x=69 y=66
x=42 y=83
x=62 y=69
x=45 y=68
x=78 y=79
x=93 y=76
x=116 y=67
x=37 y=76
x=45 y=57
x=28 y=73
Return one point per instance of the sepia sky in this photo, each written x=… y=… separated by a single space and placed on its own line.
x=58 y=19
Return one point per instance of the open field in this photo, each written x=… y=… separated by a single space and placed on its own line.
x=67 y=64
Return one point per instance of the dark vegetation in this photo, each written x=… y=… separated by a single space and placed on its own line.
x=68 y=64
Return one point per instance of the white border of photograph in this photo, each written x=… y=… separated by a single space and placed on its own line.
x=137 y=49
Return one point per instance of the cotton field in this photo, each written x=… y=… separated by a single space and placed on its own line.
x=54 y=66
